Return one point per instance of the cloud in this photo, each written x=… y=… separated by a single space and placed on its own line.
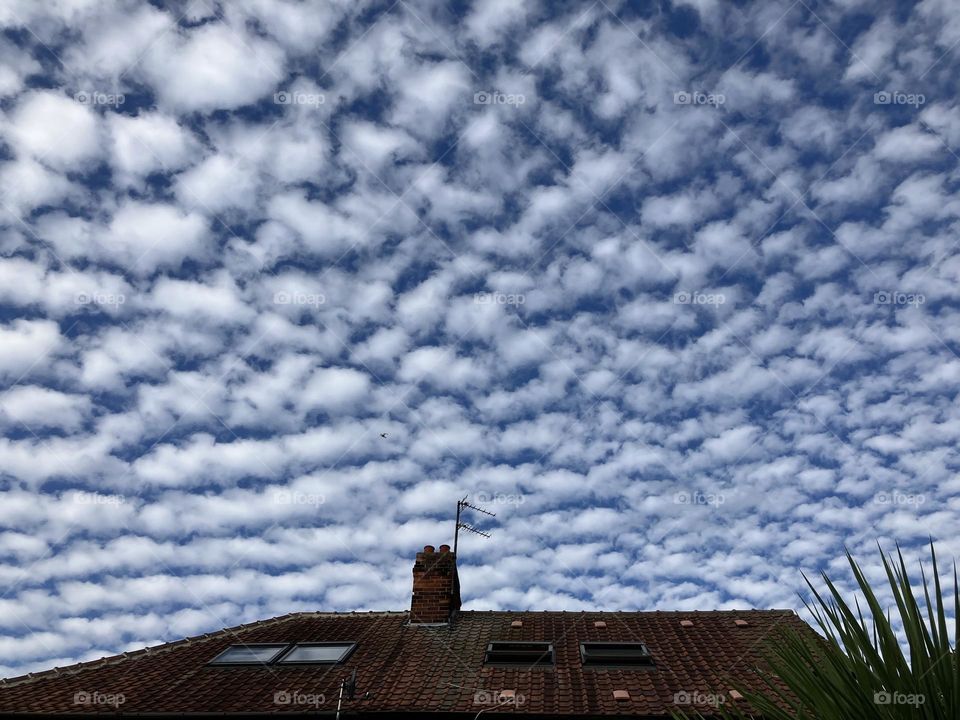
x=55 y=130
x=212 y=66
x=322 y=271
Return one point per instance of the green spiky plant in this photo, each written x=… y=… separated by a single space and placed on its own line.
x=862 y=670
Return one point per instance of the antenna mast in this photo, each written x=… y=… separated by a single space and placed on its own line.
x=461 y=505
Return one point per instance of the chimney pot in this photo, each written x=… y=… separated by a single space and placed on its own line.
x=436 y=587
x=444 y=548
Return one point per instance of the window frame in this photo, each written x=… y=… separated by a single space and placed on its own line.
x=282 y=648
x=637 y=661
x=349 y=647
x=546 y=659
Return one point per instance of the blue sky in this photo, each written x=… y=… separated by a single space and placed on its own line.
x=672 y=288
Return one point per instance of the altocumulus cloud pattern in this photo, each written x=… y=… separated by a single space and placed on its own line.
x=670 y=287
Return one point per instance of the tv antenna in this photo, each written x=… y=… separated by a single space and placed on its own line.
x=462 y=504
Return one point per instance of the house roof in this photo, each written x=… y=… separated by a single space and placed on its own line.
x=415 y=669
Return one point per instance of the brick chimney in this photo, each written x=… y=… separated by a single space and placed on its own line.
x=436 y=587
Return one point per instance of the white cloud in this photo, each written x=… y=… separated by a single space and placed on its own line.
x=213 y=66
x=54 y=129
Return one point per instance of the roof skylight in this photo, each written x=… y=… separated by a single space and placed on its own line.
x=253 y=654
x=519 y=653
x=318 y=653
x=615 y=653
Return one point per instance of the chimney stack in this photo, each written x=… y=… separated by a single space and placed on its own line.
x=436 y=587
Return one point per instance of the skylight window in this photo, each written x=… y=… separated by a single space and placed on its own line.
x=254 y=654
x=519 y=653
x=317 y=653
x=615 y=653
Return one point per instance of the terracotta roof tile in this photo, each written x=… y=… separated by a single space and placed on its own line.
x=410 y=669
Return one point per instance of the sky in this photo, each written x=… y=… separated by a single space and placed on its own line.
x=669 y=287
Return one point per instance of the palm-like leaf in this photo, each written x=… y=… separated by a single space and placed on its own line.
x=862 y=670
